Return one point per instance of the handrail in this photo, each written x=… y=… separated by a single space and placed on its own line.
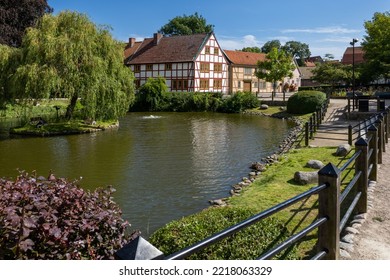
x=293 y=239
x=350 y=186
x=233 y=229
x=349 y=211
x=352 y=159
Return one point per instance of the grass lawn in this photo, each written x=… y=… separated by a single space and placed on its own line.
x=276 y=185
x=62 y=128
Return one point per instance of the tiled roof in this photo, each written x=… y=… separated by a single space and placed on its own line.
x=168 y=49
x=245 y=58
x=131 y=50
x=306 y=72
x=348 y=55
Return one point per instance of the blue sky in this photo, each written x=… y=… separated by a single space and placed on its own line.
x=326 y=26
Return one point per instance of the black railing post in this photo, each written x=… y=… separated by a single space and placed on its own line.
x=314 y=123
x=361 y=165
x=379 y=125
x=386 y=124
x=311 y=127
x=307 y=134
x=373 y=145
x=350 y=134
x=329 y=206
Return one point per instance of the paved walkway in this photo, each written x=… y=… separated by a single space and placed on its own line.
x=334 y=129
x=373 y=239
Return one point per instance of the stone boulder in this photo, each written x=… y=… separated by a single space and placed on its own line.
x=315 y=164
x=343 y=150
x=264 y=106
x=304 y=177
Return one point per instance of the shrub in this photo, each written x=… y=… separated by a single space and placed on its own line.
x=240 y=102
x=152 y=92
x=55 y=219
x=247 y=244
x=305 y=102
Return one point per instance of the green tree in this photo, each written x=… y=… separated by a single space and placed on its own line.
x=332 y=73
x=6 y=54
x=300 y=51
x=68 y=56
x=275 y=67
x=151 y=93
x=268 y=46
x=251 y=49
x=16 y=16
x=376 y=45
x=186 y=25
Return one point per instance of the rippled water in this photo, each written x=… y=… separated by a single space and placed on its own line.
x=163 y=165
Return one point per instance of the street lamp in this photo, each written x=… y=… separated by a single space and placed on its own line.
x=353 y=69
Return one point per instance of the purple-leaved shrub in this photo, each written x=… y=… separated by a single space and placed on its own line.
x=55 y=219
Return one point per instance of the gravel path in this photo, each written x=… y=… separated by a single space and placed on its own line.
x=373 y=240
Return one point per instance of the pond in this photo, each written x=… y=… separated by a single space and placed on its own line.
x=163 y=165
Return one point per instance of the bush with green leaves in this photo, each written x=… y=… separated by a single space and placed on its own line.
x=247 y=244
x=304 y=102
x=239 y=102
x=54 y=219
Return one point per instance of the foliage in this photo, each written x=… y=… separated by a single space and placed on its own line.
x=251 y=49
x=275 y=67
x=247 y=244
x=239 y=102
x=298 y=50
x=16 y=16
x=376 y=45
x=304 y=102
x=68 y=56
x=7 y=57
x=268 y=46
x=333 y=73
x=186 y=25
x=151 y=93
x=54 y=219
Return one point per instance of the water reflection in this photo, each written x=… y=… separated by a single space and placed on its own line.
x=163 y=166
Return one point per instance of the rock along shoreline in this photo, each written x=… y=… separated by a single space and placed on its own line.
x=260 y=166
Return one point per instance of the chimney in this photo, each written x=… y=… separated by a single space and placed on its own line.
x=131 y=42
x=156 y=38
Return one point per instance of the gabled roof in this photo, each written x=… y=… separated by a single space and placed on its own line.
x=168 y=49
x=348 y=55
x=245 y=58
x=306 y=72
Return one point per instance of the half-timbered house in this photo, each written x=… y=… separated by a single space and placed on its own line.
x=242 y=74
x=194 y=63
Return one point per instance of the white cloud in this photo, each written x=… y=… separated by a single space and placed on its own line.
x=323 y=30
x=237 y=43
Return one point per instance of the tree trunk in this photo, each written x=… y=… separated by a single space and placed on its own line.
x=70 y=109
x=274 y=90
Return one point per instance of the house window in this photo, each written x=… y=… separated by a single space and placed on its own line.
x=217 y=67
x=180 y=85
x=207 y=50
x=137 y=68
x=239 y=84
x=255 y=84
x=217 y=83
x=137 y=83
x=204 y=84
x=247 y=71
x=204 y=67
x=149 y=67
x=168 y=66
x=216 y=51
x=263 y=85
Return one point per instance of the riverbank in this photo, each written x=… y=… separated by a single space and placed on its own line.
x=62 y=128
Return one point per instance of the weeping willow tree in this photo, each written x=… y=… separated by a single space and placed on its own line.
x=7 y=55
x=68 y=56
